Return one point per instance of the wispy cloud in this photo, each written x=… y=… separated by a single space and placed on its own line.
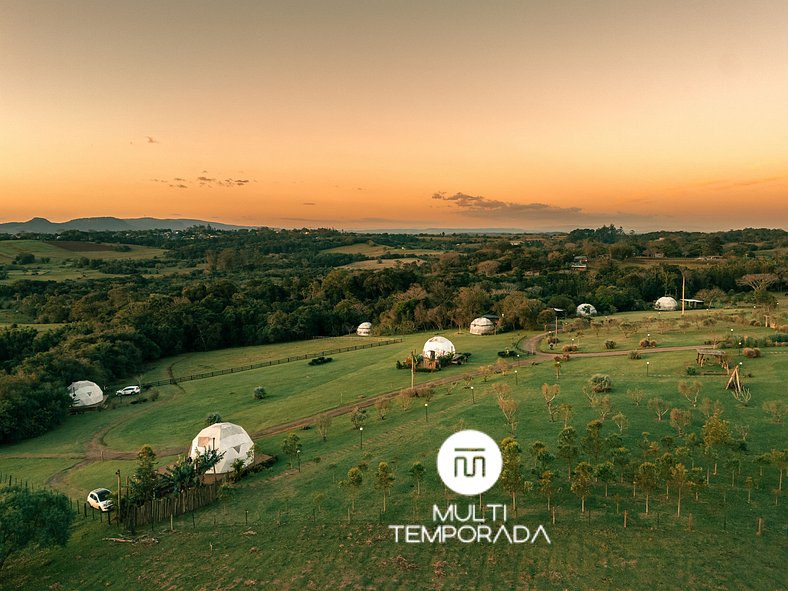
x=204 y=181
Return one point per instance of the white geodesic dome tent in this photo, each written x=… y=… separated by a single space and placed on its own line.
x=227 y=438
x=364 y=329
x=84 y=393
x=482 y=325
x=438 y=347
x=666 y=303
x=585 y=310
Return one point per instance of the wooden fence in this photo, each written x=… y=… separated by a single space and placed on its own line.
x=162 y=509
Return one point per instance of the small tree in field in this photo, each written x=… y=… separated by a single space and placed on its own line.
x=581 y=483
x=592 y=441
x=716 y=436
x=291 y=446
x=620 y=421
x=659 y=406
x=680 y=478
x=508 y=407
x=353 y=482
x=600 y=382
x=565 y=411
x=357 y=417
x=636 y=396
x=417 y=472
x=680 y=419
x=259 y=393
x=323 y=424
x=605 y=473
x=777 y=409
x=603 y=406
x=511 y=473
x=550 y=392
x=567 y=448
x=690 y=391
x=547 y=486
x=382 y=405
x=646 y=478
x=384 y=480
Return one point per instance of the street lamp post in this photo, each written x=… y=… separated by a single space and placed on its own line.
x=647 y=364
x=298 y=455
x=473 y=398
x=426 y=419
x=515 y=377
x=361 y=437
x=557 y=369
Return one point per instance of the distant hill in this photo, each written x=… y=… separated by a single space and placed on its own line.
x=107 y=224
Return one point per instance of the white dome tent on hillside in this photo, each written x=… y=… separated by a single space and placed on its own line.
x=586 y=310
x=364 y=329
x=85 y=393
x=227 y=438
x=438 y=347
x=482 y=325
x=666 y=303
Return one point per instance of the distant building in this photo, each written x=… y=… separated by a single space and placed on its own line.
x=666 y=304
x=482 y=326
x=364 y=329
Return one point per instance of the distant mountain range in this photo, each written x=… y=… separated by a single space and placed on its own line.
x=107 y=224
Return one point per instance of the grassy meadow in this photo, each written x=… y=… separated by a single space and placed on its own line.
x=272 y=530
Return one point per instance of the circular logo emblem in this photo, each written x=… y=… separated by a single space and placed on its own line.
x=469 y=462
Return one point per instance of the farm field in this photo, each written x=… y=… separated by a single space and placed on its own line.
x=292 y=542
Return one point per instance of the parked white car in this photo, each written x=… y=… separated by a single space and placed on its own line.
x=100 y=498
x=128 y=391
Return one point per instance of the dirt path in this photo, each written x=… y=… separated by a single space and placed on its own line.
x=97 y=449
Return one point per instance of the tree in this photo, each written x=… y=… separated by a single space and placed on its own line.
x=508 y=406
x=323 y=424
x=511 y=478
x=259 y=393
x=547 y=485
x=690 y=391
x=697 y=481
x=317 y=500
x=238 y=469
x=550 y=393
x=384 y=480
x=636 y=395
x=665 y=464
x=592 y=441
x=291 y=447
x=581 y=483
x=621 y=421
x=212 y=419
x=567 y=448
x=417 y=472
x=659 y=406
x=27 y=518
x=358 y=416
x=382 y=405
x=145 y=479
x=181 y=475
x=716 y=436
x=646 y=479
x=680 y=419
x=620 y=458
x=565 y=410
x=603 y=405
x=605 y=473
x=680 y=477
x=353 y=482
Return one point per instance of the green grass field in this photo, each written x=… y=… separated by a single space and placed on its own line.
x=289 y=544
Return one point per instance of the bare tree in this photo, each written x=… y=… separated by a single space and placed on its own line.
x=680 y=419
x=690 y=391
x=323 y=424
x=621 y=421
x=508 y=406
x=636 y=395
x=550 y=392
x=603 y=406
x=659 y=406
x=382 y=405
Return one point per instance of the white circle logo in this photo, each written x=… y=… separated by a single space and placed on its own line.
x=469 y=462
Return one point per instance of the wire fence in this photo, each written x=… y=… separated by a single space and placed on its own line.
x=269 y=363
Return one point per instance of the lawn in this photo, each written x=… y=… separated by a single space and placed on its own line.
x=290 y=542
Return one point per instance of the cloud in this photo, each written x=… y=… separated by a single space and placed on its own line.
x=204 y=181
x=535 y=214
x=309 y=203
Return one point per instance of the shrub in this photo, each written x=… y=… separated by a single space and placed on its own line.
x=154 y=396
x=212 y=419
x=692 y=370
x=751 y=352
x=552 y=340
x=569 y=348
x=507 y=353
x=610 y=344
x=646 y=343
x=634 y=355
x=321 y=360
x=600 y=383
x=259 y=393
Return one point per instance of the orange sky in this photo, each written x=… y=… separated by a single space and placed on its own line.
x=534 y=115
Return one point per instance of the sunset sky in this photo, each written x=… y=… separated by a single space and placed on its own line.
x=372 y=114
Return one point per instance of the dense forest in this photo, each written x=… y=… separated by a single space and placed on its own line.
x=262 y=286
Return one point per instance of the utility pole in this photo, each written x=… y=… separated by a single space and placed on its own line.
x=117 y=473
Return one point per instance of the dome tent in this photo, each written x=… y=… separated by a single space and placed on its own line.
x=438 y=347
x=84 y=393
x=666 y=303
x=482 y=325
x=227 y=438
x=586 y=310
x=364 y=329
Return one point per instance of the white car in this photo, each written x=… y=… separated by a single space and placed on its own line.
x=128 y=391
x=100 y=498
